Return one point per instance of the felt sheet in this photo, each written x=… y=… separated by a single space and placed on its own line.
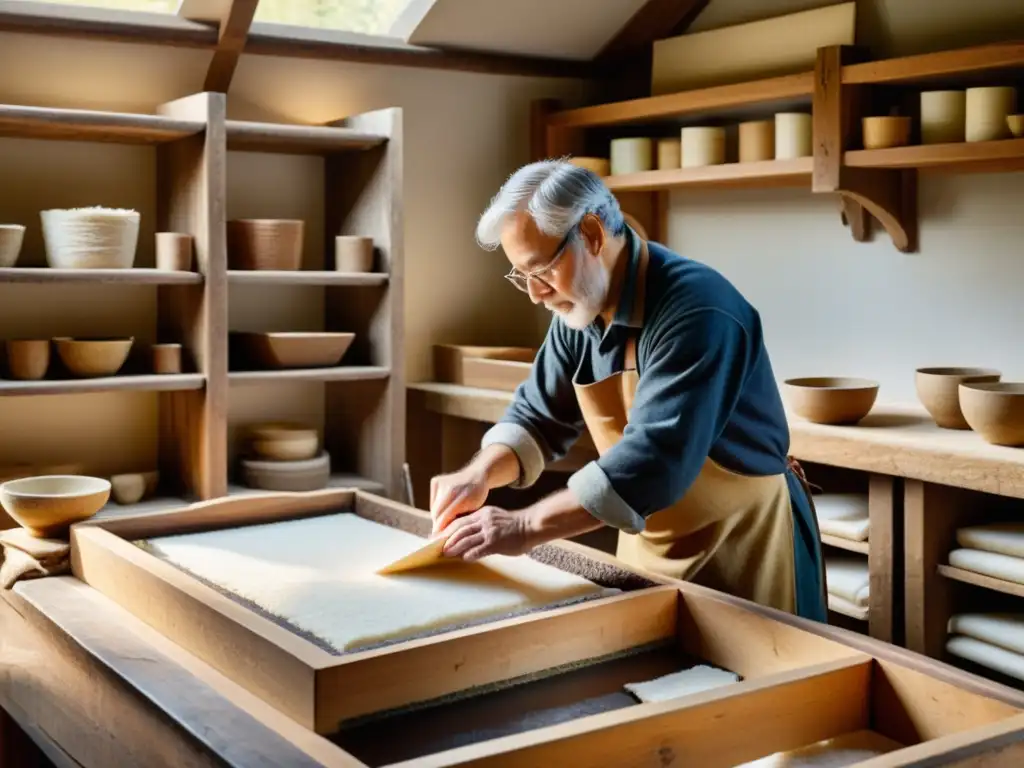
x=844 y=515
x=989 y=563
x=318 y=574
x=683 y=683
x=29 y=557
x=1002 y=538
x=988 y=656
x=848 y=749
x=845 y=607
x=848 y=578
x=1005 y=630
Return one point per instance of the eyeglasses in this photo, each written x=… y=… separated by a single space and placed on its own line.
x=521 y=280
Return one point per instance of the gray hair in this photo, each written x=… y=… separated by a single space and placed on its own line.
x=557 y=195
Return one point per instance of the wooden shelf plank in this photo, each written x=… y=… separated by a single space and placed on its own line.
x=899 y=440
x=769 y=173
x=722 y=97
x=142 y=383
x=150 y=506
x=981 y=580
x=137 y=275
x=903 y=441
x=305 y=277
x=297 y=139
x=338 y=480
x=337 y=373
x=838 y=542
x=923 y=67
x=1005 y=155
x=90 y=125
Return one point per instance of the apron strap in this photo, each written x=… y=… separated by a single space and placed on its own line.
x=629 y=363
x=637 y=312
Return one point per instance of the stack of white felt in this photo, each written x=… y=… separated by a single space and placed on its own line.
x=843 y=515
x=992 y=640
x=995 y=550
x=848 y=584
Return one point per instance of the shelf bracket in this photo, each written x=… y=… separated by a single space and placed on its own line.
x=889 y=196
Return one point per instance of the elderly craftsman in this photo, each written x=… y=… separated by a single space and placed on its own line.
x=664 y=362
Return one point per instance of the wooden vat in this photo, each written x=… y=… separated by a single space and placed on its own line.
x=797 y=687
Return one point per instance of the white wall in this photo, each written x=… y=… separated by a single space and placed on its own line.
x=835 y=307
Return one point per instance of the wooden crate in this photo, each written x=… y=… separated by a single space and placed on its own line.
x=798 y=687
x=502 y=368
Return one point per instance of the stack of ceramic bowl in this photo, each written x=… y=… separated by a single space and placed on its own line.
x=285 y=457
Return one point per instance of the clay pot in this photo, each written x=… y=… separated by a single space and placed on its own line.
x=995 y=410
x=28 y=359
x=11 y=238
x=831 y=400
x=273 y=244
x=174 y=251
x=90 y=238
x=353 y=253
x=284 y=442
x=938 y=389
x=133 y=487
x=883 y=132
x=166 y=358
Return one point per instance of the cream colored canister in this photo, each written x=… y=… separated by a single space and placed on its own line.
x=702 y=145
x=757 y=141
x=633 y=155
x=792 y=135
x=943 y=116
x=987 y=109
x=599 y=165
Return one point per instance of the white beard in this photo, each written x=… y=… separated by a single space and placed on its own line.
x=590 y=289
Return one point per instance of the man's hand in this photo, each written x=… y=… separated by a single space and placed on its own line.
x=455 y=494
x=490 y=531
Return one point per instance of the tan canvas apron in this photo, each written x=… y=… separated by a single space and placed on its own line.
x=730 y=532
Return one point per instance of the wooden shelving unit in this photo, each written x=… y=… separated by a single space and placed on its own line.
x=873 y=185
x=364 y=398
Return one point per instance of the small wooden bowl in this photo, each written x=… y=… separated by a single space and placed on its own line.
x=830 y=399
x=1016 y=124
x=938 y=389
x=28 y=359
x=48 y=504
x=995 y=410
x=272 y=244
x=88 y=358
x=284 y=441
x=353 y=253
x=882 y=132
x=297 y=476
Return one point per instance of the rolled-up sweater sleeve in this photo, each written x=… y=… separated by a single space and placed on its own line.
x=693 y=365
x=543 y=420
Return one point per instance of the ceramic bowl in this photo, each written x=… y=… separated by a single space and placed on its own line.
x=995 y=410
x=90 y=238
x=883 y=132
x=938 y=390
x=273 y=244
x=48 y=504
x=831 y=399
x=133 y=487
x=297 y=476
x=294 y=349
x=284 y=441
x=89 y=358
x=11 y=238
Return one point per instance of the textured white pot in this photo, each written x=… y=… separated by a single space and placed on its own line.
x=90 y=238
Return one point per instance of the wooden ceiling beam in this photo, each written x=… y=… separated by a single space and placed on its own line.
x=233 y=30
x=88 y=23
x=656 y=20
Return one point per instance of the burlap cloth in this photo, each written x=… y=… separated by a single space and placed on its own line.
x=26 y=557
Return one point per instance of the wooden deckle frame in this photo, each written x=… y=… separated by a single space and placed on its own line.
x=798 y=687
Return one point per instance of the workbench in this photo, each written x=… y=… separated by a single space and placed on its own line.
x=92 y=680
x=922 y=483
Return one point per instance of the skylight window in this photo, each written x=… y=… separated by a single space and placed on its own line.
x=372 y=17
